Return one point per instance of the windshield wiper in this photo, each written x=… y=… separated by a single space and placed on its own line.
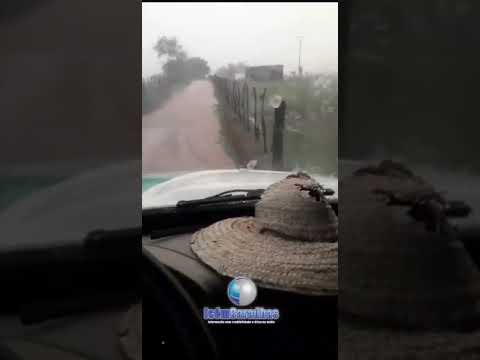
x=224 y=197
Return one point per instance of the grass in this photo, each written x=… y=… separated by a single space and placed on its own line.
x=311 y=136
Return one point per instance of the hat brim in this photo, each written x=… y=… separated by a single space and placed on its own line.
x=238 y=247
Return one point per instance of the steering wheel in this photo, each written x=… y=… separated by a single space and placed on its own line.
x=169 y=308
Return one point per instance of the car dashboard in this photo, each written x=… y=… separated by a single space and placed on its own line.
x=166 y=252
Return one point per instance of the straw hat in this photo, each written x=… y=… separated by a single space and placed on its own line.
x=398 y=275
x=290 y=244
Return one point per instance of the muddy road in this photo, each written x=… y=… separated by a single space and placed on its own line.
x=185 y=133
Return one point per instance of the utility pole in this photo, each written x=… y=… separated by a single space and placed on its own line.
x=300 y=70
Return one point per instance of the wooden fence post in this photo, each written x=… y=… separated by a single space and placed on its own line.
x=225 y=89
x=255 y=113
x=248 y=109
x=240 y=99
x=229 y=90
x=242 y=103
x=237 y=99
x=245 y=103
x=264 y=127
x=278 y=132
x=234 y=94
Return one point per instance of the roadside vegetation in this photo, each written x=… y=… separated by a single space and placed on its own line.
x=311 y=129
x=311 y=136
x=178 y=70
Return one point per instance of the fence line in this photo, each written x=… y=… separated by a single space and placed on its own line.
x=237 y=98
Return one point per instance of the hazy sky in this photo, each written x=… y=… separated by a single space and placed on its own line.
x=257 y=33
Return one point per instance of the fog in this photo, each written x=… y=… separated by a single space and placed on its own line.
x=255 y=33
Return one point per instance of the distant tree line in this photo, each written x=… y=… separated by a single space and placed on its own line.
x=178 y=70
x=230 y=70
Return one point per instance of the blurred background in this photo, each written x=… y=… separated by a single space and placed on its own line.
x=409 y=82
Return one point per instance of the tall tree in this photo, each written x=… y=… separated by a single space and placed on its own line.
x=197 y=68
x=169 y=48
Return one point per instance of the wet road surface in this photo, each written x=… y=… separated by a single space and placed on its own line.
x=184 y=134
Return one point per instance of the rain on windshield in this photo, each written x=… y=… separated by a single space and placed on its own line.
x=235 y=85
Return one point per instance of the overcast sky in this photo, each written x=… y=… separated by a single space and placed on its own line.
x=256 y=33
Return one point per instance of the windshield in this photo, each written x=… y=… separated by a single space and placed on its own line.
x=231 y=85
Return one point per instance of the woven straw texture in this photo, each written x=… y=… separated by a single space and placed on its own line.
x=393 y=269
x=295 y=213
x=397 y=274
x=289 y=245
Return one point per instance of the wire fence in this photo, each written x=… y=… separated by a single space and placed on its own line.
x=265 y=123
x=304 y=137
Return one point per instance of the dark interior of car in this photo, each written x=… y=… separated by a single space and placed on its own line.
x=51 y=295
x=177 y=285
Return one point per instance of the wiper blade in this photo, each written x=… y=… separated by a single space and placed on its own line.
x=224 y=197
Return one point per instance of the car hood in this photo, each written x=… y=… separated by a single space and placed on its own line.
x=201 y=184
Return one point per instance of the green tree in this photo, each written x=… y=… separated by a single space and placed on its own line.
x=169 y=48
x=231 y=69
x=178 y=70
x=175 y=70
x=197 y=68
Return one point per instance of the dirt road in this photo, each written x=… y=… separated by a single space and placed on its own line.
x=184 y=134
